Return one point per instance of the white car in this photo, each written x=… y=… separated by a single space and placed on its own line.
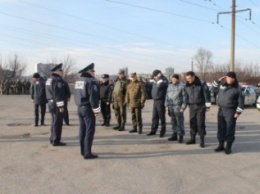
x=258 y=103
x=250 y=95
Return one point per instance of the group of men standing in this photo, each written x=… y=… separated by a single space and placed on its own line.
x=174 y=97
x=91 y=97
x=8 y=87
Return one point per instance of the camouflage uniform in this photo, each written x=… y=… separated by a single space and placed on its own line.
x=119 y=102
x=135 y=99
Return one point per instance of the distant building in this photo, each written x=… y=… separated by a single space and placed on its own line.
x=44 y=69
x=169 y=71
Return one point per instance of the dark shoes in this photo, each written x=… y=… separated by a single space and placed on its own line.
x=58 y=144
x=151 y=133
x=162 y=133
x=117 y=127
x=133 y=131
x=192 y=140
x=202 y=142
x=173 y=137
x=104 y=123
x=122 y=128
x=220 y=147
x=180 y=139
x=228 y=148
x=91 y=156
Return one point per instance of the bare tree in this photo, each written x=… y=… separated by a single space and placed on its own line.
x=15 y=67
x=203 y=61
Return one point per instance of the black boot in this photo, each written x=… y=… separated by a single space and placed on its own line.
x=151 y=133
x=192 y=140
x=220 y=147
x=162 y=133
x=122 y=127
x=202 y=141
x=180 y=139
x=108 y=123
x=134 y=130
x=117 y=127
x=173 y=137
x=228 y=148
x=140 y=131
x=104 y=123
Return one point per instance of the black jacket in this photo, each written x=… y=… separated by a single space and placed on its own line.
x=38 y=93
x=198 y=93
x=229 y=96
x=106 y=90
x=159 y=89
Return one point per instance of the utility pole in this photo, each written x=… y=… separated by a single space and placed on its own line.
x=191 y=64
x=233 y=31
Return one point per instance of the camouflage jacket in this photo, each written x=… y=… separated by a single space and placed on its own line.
x=135 y=94
x=176 y=96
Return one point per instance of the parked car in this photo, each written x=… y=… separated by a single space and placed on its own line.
x=213 y=96
x=250 y=95
x=258 y=103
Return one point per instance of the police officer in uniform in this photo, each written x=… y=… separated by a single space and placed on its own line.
x=119 y=100
x=38 y=95
x=135 y=99
x=198 y=99
x=106 y=90
x=231 y=105
x=159 y=90
x=86 y=96
x=56 y=94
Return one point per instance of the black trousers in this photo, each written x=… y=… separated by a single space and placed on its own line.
x=105 y=110
x=158 y=114
x=36 y=113
x=87 y=124
x=197 y=119
x=66 y=113
x=56 y=123
x=226 y=124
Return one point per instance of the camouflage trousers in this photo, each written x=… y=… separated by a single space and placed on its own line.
x=177 y=120
x=120 y=112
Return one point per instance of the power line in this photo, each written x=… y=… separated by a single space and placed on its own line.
x=86 y=20
x=197 y=5
x=254 y=4
x=160 y=11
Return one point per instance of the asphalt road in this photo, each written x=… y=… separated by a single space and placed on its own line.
x=127 y=163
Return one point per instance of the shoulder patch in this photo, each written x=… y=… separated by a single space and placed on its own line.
x=59 y=85
x=79 y=85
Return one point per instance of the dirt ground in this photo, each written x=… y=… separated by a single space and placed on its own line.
x=127 y=163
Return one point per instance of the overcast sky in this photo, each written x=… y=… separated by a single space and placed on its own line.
x=141 y=34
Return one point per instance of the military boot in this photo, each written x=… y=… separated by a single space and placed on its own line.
x=162 y=133
x=140 y=131
x=104 y=123
x=134 y=130
x=117 y=127
x=220 y=147
x=192 y=140
x=202 y=141
x=173 y=137
x=122 y=127
x=107 y=123
x=228 y=148
x=180 y=139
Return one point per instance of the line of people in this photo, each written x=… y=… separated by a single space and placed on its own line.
x=92 y=97
x=8 y=87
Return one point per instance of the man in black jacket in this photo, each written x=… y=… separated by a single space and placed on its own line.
x=106 y=90
x=38 y=96
x=159 y=90
x=231 y=105
x=198 y=99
